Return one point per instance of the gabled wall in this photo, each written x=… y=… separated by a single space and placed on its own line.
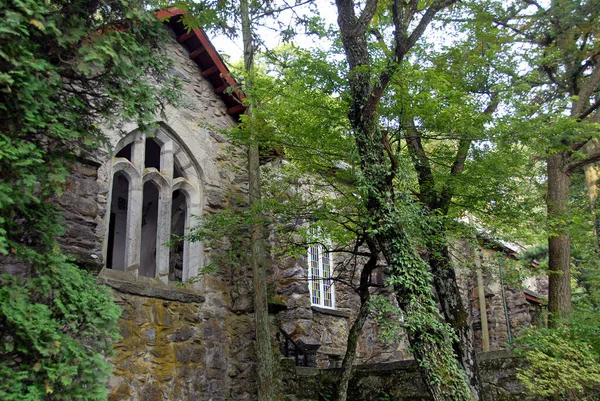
x=192 y=342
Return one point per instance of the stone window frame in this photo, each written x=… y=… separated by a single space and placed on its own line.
x=190 y=185
x=322 y=279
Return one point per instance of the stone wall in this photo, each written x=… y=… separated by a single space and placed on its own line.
x=79 y=206
x=493 y=258
x=162 y=350
x=401 y=381
x=327 y=327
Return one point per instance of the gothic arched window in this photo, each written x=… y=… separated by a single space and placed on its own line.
x=156 y=189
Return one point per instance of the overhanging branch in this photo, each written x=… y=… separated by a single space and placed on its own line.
x=571 y=167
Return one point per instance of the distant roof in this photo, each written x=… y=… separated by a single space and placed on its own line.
x=533 y=296
x=211 y=65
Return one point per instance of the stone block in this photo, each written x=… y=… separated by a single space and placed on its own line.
x=182 y=334
x=149 y=334
x=120 y=392
x=151 y=392
x=160 y=315
x=294 y=288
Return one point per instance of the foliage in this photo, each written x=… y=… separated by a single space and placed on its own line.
x=66 y=69
x=56 y=327
x=564 y=361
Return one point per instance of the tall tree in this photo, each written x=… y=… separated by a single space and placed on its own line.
x=563 y=52
x=410 y=276
x=264 y=354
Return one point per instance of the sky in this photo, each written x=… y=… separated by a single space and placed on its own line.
x=232 y=49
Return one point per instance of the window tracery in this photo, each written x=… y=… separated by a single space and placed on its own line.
x=155 y=192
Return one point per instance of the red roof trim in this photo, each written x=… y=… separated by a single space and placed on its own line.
x=533 y=298
x=213 y=62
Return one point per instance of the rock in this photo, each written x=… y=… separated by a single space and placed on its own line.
x=181 y=335
x=149 y=334
x=295 y=288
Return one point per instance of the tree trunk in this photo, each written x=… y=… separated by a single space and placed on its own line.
x=264 y=354
x=559 y=241
x=357 y=326
x=350 y=356
x=455 y=314
x=591 y=182
x=437 y=202
x=428 y=336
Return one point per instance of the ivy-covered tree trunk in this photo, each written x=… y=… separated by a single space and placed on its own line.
x=410 y=276
x=264 y=355
x=430 y=339
x=455 y=314
x=437 y=202
x=559 y=241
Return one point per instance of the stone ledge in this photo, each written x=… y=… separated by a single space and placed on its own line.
x=335 y=352
x=123 y=282
x=406 y=365
x=304 y=371
x=496 y=355
x=334 y=312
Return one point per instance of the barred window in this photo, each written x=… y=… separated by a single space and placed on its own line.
x=320 y=277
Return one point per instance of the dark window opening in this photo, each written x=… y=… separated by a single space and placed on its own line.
x=177 y=171
x=117 y=226
x=149 y=230
x=178 y=218
x=152 y=157
x=125 y=152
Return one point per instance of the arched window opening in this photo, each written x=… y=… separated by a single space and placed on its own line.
x=117 y=226
x=149 y=230
x=177 y=170
x=152 y=157
x=150 y=210
x=178 y=222
x=125 y=152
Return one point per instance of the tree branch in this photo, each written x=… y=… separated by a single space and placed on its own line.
x=586 y=92
x=589 y=110
x=367 y=14
x=426 y=19
x=571 y=167
x=461 y=156
x=390 y=152
x=427 y=194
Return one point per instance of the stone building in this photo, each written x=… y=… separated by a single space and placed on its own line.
x=181 y=339
x=187 y=336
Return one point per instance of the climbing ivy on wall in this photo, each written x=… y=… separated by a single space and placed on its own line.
x=66 y=68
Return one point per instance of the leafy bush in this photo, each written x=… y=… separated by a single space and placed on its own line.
x=56 y=327
x=565 y=361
